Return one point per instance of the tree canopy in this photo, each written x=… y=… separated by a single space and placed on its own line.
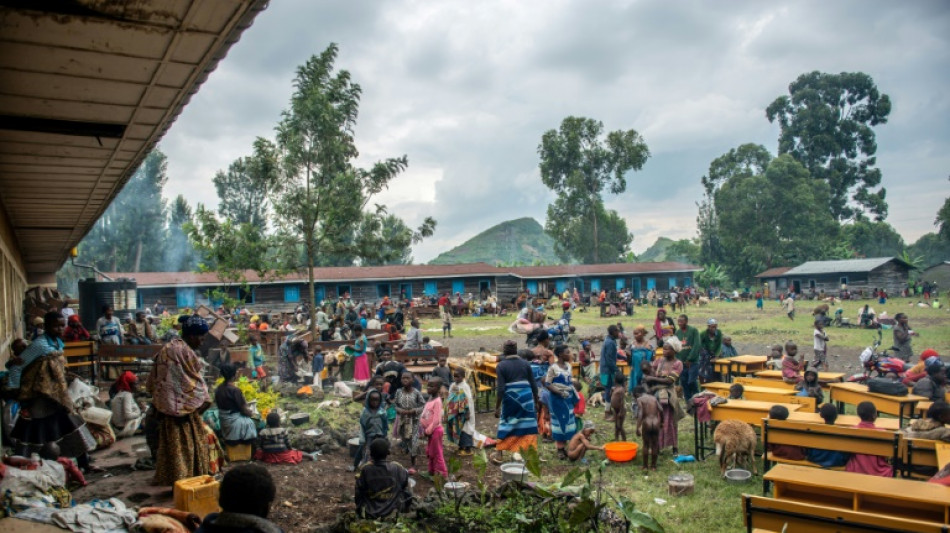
x=579 y=163
x=243 y=191
x=827 y=123
x=873 y=239
x=572 y=234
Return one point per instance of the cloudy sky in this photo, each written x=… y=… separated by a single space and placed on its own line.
x=466 y=90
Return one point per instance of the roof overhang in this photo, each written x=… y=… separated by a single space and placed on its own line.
x=87 y=88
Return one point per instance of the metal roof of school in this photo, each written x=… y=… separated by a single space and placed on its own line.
x=608 y=268
x=773 y=272
x=843 y=265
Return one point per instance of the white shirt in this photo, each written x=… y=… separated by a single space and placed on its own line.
x=820 y=342
x=67 y=312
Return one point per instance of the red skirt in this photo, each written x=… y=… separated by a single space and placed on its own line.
x=290 y=457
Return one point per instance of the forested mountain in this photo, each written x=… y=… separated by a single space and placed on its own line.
x=514 y=242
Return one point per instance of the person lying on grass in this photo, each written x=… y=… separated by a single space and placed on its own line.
x=580 y=443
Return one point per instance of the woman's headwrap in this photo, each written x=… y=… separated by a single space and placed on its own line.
x=194 y=325
x=510 y=348
x=674 y=343
x=73 y=319
x=126 y=381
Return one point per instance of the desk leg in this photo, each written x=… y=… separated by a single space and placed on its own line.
x=699 y=454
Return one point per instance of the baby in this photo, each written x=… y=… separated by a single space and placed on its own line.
x=649 y=422
x=617 y=407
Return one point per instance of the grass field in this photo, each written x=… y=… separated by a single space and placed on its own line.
x=745 y=324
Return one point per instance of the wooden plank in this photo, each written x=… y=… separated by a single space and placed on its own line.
x=890 y=424
x=943 y=453
x=772 y=514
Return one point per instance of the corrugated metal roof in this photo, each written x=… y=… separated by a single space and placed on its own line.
x=87 y=88
x=610 y=268
x=843 y=265
x=773 y=272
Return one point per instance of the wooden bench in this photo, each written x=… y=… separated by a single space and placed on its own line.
x=135 y=357
x=825 y=377
x=755 y=394
x=893 y=497
x=772 y=515
x=826 y=437
x=771 y=383
x=81 y=354
x=748 y=411
x=854 y=393
x=922 y=453
x=482 y=390
x=890 y=424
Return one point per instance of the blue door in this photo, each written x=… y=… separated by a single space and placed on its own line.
x=320 y=293
x=687 y=282
x=140 y=299
x=672 y=281
x=430 y=288
x=560 y=285
x=458 y=286
x=382 y=289
x=636 y=287
x=651 y=284
x=532 y=286
x=595 y=285
x=291 y=294
x=406 y=288
x=621 y=283
x=343 y=289
x=185 y=297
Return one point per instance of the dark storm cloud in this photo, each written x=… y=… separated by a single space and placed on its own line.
x=467 y=90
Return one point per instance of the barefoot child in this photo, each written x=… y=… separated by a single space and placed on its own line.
x=409 y=403
x=617 y=407
x=821 y=345
x=581 y=405
x=580 y=443
x=430 y=422
x=257 y=360
x=649 y=422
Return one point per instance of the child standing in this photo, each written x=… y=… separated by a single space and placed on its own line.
x=617 y=407
x=442 y=371
x=430 y=423
x=447 y=323
x=317 y=365
x=792 y=367
x=374 y=424
x=649 y=422
x=460 y=413
x=581 y=405
x=257 y=358
x=821 y=345
x=409 y=403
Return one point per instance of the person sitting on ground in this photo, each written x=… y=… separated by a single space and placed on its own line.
x=649 y=422
x=126 y=414
x=792 y=367
x=736 y=390
x=237 y=424
x=75 y=332
x=580 y=443
x=860 y=463
x=382 y=486
x=933 y=387
x=245 y=497
x=274 y=444
x=933 y=426
x=784 y=451
x=827 y=458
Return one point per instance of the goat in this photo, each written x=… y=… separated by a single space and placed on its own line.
x=736 y=440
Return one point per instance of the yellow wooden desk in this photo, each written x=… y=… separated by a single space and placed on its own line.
x=858 y=492
x=890 y=424
x=922 y=408
x=855 y=393
x=748 y=411
x=770 y=515
x=828 y=377
x=751 y=392
x=943 y=453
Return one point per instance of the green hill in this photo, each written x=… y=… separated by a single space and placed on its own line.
x=657 y=252
x=521 y=241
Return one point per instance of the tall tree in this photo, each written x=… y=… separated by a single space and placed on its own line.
x=129 y=236
x=322 y=196
x=572 y=234
x=873 y=239
x=243 y=190
x=391 y=234
x=770 y=219
x=229 y=249
x=943 y=221
x=578 y=163
x=179 y=252
x=827 y=124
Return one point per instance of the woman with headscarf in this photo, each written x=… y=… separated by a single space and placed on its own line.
x=287 y=355
x=666 y=372
x=179 y=396
x=663 y=326
x=75 y=332
x=48 y=423
x=516 y=398
x=640 y=350
x=126 y=413
x=237 y=423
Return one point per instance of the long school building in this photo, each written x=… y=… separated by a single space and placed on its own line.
x=370 y=284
